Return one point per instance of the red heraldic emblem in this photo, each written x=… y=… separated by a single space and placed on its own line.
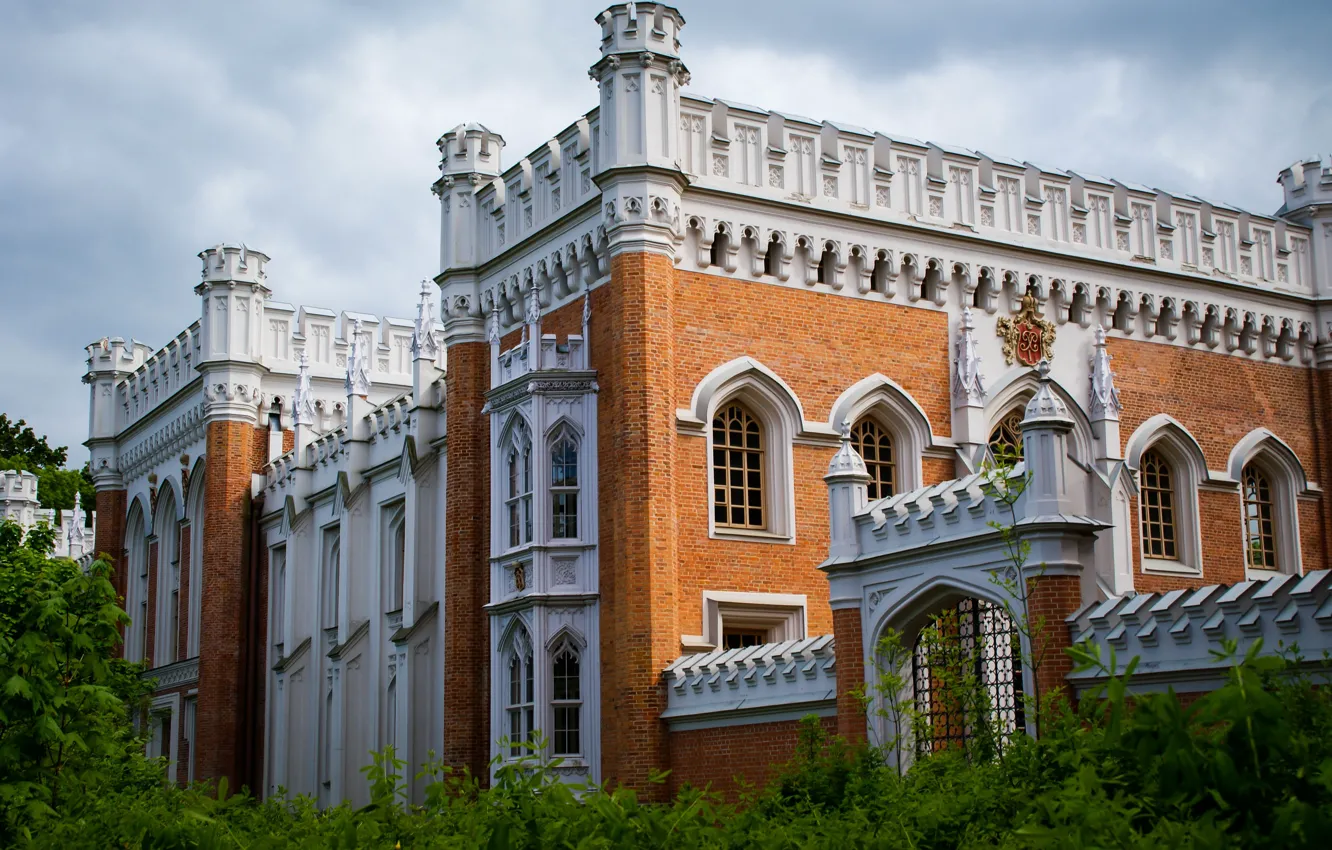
x=1028 y=338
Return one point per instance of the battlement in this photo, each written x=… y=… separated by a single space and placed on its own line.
x=145 y=380
x=636 y=28
x=567 y=356
x=1173 y=634
x=18 y=486
x=1306 y=183
x=785 y=157
x=771 y=681
x=233 y=262
x=470 y=149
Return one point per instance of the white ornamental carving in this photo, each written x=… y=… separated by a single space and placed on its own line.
x=968 y=383
x=302 y=402
x=423 y=334
x=358 y=364
x=1104 y=395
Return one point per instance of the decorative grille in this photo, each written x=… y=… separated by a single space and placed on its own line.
x=977 y=639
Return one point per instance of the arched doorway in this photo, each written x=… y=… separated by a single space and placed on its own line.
x=966 y=677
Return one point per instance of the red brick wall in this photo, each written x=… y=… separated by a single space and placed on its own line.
x=632 y=336
x=109 y=537
x=230 y=459
x=1052 y=597
x=1219 y=399
x=719 y=319
x=848 y=638
x=466 y=560
x=716 y=757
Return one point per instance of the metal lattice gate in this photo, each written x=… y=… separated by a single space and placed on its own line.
x=977 y=637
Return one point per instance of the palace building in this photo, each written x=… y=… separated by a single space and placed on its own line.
x=700 y=403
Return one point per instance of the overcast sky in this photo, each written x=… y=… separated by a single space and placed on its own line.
x=135 y=134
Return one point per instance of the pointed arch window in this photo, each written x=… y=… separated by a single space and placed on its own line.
x=518 y=492
x=566 y=702
x=737 y=469
x=875 y=446
x=521 y=696
x=332 y=569
x=1159 y=533
x=564 y=487
x=1006 y=438
x=1259 y=520
x=398 y=561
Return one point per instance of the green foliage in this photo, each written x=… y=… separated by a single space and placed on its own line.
x=63 y=694
x=1248 y=765
x=21 y=448
x=56 y=486
x=20 y=442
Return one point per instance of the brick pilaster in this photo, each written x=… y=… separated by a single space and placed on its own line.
x=467 y=560
x=109 y=539
x=633 y=344
x=848 y=637
x=1052 y=597
x=229 y=462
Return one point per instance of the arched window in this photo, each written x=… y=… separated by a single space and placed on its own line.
x=564 y=488
x=136 y=605
x=1259 y=520
x=876 y=448
x=1158 y=507
x=1006 y=438
x=331 y=576
x=518 y=495
x=567 y=702
x=521 y=697
x=398 y=592
x=737 y=469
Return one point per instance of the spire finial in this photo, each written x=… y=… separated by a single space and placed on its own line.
x=423 y=335
x=1104 y=395
x=1046 y=404
x=968 y=383
x=534 y=308
x=493 y=332
x=358 y=371
x=302 y=401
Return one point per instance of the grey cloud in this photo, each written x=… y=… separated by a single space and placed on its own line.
x=136 y=133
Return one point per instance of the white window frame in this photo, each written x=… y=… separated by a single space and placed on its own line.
x=565 y=643
x=782 y=615
x=1188 y=472
x=561 y=433
x=394 y=568
x=330 y=577
x=277 y=571
x=1286 y=477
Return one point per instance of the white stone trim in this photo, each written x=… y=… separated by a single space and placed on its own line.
x=168 y=704
x=784 y=613
x=1288 y=481
x=884 y=399
x=1015 y=387
x=1189 y=466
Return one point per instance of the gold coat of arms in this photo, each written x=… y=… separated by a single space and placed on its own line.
x=1028 y=338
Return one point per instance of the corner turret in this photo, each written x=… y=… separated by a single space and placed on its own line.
x=233 y=292
x=640 y=76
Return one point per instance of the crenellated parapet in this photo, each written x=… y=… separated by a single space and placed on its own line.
x=775 y=681
x=1174 y=635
